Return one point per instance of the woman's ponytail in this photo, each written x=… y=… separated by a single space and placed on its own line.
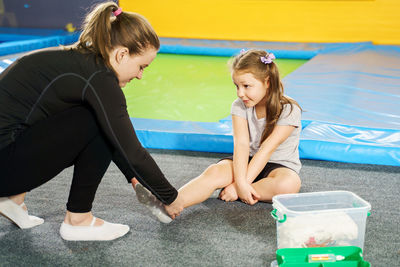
x=107 y=26
x=96 y=33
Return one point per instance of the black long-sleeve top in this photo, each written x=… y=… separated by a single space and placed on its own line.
x=47 y=82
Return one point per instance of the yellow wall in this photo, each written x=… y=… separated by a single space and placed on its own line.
x=274 y=20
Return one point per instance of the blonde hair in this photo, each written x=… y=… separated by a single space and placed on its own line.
x=102 y=31
x=250 y=62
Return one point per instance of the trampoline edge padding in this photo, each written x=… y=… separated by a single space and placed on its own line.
x=229 y=52
x=344 y=143
x=184 y=135
x=318 y=140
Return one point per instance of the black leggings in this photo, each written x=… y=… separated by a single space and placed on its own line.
x=42 y=151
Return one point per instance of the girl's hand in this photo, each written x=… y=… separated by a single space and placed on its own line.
x=229 y=193
x=175 y=208
x=247 y=193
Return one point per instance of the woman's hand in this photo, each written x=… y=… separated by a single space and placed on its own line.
x=247 y=193
x=175 y=208
x=229 y=193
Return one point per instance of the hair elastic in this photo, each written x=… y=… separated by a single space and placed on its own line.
x=268 y=60
x=117 y=12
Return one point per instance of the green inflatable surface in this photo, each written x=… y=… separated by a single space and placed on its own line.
x=187 y=88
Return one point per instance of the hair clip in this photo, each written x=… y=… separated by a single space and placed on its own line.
x=268 y=60
x=117 y=12
x=242 y=51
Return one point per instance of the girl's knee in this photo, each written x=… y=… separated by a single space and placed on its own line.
x=217 y=169
x=219 y=174
x=213 y=172
x=289 y=185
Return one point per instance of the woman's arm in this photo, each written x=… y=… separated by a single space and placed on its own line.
x=260 y=159
x=108 y=102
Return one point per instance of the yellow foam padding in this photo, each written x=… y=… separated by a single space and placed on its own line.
x=274 y=20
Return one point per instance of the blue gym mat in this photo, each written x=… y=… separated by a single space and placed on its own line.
x=349 y=93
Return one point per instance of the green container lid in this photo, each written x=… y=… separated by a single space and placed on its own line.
x=348 y=256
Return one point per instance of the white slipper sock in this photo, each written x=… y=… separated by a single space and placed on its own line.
x=152 y=203
x=105 y=232
x=31 y=217
x=216 y=193
x=17 y=214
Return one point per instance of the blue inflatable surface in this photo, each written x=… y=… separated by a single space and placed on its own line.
x=350 y=94
x=14 y=40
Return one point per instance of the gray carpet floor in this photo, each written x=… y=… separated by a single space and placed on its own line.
x=213 y=233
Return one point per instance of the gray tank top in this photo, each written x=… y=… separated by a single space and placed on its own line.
x=287 y=153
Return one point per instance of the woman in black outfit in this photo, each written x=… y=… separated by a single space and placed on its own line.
x=64 y=106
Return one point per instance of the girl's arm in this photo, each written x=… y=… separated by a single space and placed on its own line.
x=260 y=159
x=241 y=148
x=240 y=160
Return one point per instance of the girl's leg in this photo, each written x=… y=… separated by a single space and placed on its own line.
x=196 y=191
x=279 y=181
x=200 y=188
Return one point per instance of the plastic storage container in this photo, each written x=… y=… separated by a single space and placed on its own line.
x=320 y=219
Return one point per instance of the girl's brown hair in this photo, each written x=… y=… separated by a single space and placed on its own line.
x=250 y=62
x=102 y=31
